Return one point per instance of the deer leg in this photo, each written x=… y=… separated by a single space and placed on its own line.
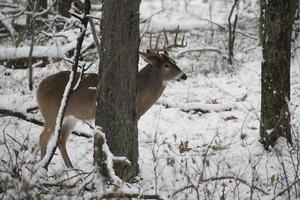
x=66 y=129
x=44 y=139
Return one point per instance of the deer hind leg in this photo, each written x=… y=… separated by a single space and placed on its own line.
x=44 y=139
x=67 y=127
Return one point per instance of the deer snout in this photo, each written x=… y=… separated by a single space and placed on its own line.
x=183 y=76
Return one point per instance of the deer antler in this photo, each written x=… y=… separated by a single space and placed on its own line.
x=167 y=47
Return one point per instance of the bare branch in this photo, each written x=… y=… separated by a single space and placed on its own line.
x=223 y=178
x=5 y=112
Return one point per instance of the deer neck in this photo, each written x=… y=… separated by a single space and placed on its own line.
x=149 y=89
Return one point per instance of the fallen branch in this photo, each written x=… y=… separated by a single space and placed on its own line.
x=130 y=196
x=198 y=108
x=18 y=57
x=201 y=51
x=10 y=113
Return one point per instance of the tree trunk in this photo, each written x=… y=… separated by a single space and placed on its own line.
x=116 y=110
x=64 y=7
x=277 y=23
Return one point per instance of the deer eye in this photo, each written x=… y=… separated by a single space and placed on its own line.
x=167 y=65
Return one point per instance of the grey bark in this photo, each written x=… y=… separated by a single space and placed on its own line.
x=277 y=24
x=64 y=7
x=116 y=101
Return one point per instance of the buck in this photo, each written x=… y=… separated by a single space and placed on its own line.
x=151 y=79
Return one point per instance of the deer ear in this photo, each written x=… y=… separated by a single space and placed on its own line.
x=151 y=59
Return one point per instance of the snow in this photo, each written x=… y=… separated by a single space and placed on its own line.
x=179 y=144
x=8 y=53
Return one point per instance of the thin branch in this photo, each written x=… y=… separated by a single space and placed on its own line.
x=200 y=51
x=5 y=112
x=93 y=29
x=223 y=178
x=248 y=35
x=288 y=188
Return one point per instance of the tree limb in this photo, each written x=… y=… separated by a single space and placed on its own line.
x=5 y=112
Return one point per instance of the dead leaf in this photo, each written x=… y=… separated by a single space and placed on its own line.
x=183 y=146
x=230 y=117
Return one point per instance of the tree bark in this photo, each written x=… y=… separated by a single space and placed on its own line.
x=116 y=101
x=64 y=7
x=277 y=24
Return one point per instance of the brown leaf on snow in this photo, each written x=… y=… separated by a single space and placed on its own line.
x=230 y=117
x=183 y=146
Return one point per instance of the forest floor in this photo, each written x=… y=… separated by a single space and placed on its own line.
x=201 y=139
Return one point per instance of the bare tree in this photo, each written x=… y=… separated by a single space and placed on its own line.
x=116 y=102
x=277 y=18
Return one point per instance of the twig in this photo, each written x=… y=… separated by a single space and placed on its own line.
x=183 y=53
x=286 y=189
x=223 y=178
x=32 y=29
x=226 y=29
x=93 y=29
x=6 y=146
x=5 y=112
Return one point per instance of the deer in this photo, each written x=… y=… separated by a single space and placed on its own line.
x=151 y=82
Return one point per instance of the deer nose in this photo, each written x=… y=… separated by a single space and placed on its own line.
x=184 y=77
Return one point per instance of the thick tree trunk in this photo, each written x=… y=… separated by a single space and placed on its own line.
x=116 y=110
x=277 y=18
x=64 y=7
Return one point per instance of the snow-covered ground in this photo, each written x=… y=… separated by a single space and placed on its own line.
x=185 y=153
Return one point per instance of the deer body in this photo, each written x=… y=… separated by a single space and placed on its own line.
x=82 y=103
x=151 y=82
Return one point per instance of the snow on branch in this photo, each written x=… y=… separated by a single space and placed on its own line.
x=106 y=169
x=197 y=107
x=106 y=158
x=10 y=53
